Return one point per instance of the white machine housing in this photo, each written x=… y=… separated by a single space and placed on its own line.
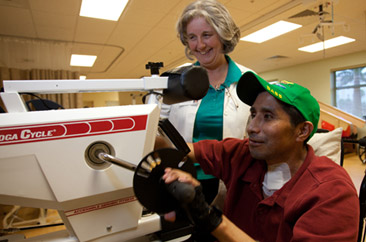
x=44 y=163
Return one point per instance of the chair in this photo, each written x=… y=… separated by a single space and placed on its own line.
x=42 y=104
x=362 y=198
x=361 y=150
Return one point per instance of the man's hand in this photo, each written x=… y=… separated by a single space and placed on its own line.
x=205 y=217
x=175 y=174
x=172 y=175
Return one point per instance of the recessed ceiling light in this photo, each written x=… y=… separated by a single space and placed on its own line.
x=341 y=40
x=108 y=10
x=82 y=60
x=271 y=31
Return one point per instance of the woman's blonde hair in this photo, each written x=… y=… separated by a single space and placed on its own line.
x=217 y=16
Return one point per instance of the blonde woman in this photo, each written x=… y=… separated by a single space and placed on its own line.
x=209 y=34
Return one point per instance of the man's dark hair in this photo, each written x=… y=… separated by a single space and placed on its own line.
x=295 y=116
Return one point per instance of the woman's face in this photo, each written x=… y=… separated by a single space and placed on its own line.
x=204 y=43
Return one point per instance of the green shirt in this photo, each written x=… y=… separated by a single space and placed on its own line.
x=209 y=117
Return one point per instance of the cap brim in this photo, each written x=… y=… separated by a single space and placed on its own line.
x=248 y=88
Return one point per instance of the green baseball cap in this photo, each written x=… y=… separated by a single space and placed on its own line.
x=250 y=85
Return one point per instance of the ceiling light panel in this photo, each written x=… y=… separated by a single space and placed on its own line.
x=82 y=60
x=108 y=10
x=341 y=40
x=271 y=31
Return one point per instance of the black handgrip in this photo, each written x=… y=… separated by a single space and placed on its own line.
x=185 y=84
x=183 y=192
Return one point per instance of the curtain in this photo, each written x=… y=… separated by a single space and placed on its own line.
x=67 y=100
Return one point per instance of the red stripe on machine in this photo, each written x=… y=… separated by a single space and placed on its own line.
x=99 y=206
x=66 y=130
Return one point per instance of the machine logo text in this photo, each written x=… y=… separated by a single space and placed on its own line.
x=46 y=132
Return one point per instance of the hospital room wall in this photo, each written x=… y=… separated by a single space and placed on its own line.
x=100 y=99
x=103 y=99
x=316 y=76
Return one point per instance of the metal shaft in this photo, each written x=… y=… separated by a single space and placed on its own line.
x=114 y=160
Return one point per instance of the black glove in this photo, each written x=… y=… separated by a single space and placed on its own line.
x=207 y=218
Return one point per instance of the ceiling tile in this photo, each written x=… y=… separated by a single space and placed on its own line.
x=16 y=21
x=93 y=30
x=146 y=32
x=64 y=7
x=58 y=27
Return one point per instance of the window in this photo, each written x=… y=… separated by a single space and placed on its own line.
x=350 y=91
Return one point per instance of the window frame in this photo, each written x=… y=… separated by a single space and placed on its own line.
x=334 y=87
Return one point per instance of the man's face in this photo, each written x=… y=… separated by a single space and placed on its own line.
x=271 y=134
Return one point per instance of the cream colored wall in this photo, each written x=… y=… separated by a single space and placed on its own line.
x=100 y=99
x=127 y=98
x=316 y=76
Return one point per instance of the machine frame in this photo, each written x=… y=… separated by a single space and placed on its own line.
x=89 y=213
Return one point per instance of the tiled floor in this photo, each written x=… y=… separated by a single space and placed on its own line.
x=355 y=168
